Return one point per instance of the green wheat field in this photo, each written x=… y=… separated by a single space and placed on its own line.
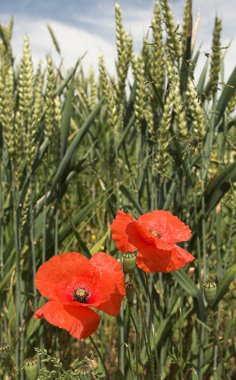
x=75 y=148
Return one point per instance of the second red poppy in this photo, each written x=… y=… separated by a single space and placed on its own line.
x=154 y=235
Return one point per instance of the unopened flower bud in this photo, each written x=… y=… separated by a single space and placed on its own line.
x=4 y=350
x=31 y=367
x=210 y=289
x=176 y=336
x=129 y=261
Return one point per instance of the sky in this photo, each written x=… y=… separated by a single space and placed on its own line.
x=88 y=26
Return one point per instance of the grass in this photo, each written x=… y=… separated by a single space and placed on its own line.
x=74 y=149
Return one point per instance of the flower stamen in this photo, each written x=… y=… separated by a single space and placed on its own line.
x=81 y=295
x=155 y=233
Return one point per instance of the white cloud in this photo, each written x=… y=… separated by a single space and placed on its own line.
x=74 y=42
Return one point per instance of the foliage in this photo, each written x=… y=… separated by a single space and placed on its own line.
x=74 y=149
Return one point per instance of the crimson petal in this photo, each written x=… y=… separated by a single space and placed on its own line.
x=154 y=260
x=80 y=322
x=58 y=272
x=119 y=234
x=109 y=291
x=141 y=237
x=169 y=226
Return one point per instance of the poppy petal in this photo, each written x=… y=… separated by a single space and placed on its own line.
x=80 y=322
x=154 y=260
x=181 y=257
x=119 y=234
x=167 y=225
x=59 y=271
x=109 y=291
x=140 y=237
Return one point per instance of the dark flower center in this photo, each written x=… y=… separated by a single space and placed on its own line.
x=155 y=233
x=81 y=295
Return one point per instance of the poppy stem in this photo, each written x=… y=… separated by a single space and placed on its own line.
x=149 y=295
x=137 y=345
x=100 y=356
x=146 y=335
x=224 y=372
x=149 y=290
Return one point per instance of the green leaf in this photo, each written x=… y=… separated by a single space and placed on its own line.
x=224 y=284
x=131 y=198
x=226 y=95
x=82 y=246
x=62 y=169
x=69 y=76
x=78 y=218
x=65 y=120
x=190 y=288
x=9 y=265
x=126 y=132
x=214 y=192
x=202 y=78
x=217 y=187
x=99 y=243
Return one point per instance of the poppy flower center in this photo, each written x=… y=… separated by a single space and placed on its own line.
x=81 y=295
x=155 y=233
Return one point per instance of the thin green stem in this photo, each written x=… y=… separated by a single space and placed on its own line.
x=147 y=341
x=225 y=376
x=137 y=345
x=100 y=356
x=45 y=207
x=149 y=282
x=19 y=312
x=32 y=238
x=122 y=342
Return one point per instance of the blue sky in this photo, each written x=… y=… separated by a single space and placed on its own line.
x=88 y=25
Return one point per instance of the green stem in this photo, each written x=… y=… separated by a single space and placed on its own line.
x=137 y=345
x=149 y=287
x=32 y=238
x=19 y=312
x=45 y=207
x=224 y=373
x=100 y=356
x=122 y=341
x=147 y=341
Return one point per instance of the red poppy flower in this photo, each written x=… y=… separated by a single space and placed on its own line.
x=154 y=236
x=74 y=285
